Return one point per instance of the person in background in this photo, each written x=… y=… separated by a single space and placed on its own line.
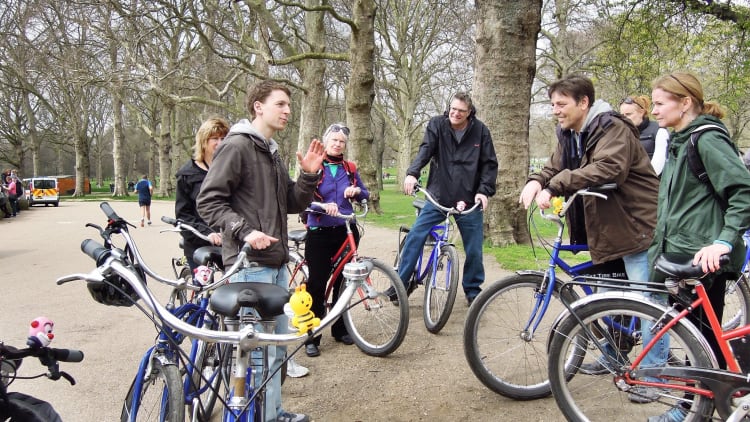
x=463 y=168
x=144 y=189
x=189 y=180
x=653 y=138
x=247 y=194
x=597 y=146
x=340 y=183
x=693 y=217
x=13 y=194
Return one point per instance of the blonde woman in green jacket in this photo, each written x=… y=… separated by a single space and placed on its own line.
x=693 y=217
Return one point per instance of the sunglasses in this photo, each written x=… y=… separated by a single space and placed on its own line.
x=628 y=100
x=339 y=128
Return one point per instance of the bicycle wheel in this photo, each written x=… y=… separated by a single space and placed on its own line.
x=211 y=360
x=498 y=350
x=440 y=289
x=736 y=303
x=298 y=271
x=378 y=326
x=597 y=397
x=161 y=395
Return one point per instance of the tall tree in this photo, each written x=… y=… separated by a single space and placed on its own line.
x=504 y=72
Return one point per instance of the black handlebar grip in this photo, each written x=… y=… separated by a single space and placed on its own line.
x=109 y=212
x=169 y=220
x=95 y=250
x=67 y=355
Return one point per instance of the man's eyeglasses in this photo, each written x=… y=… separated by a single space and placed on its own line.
x=339 y=128
x=628 y=100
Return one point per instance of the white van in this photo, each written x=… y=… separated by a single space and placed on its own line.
x=43 y=190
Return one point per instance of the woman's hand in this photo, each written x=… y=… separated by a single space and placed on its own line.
x=331 y=209
x=352 y=191
x=709 y=256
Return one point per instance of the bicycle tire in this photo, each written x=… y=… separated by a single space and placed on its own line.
x=441 y=289
x=736 y=303
x=498 y=354
x=208 y=374
x=596 y=397
x=162 y=395
x=298 y=271
x=378 y=326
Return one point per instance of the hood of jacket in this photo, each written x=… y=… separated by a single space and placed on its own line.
x=246 y=127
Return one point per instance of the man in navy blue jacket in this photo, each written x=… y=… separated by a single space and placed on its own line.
x=463 y=168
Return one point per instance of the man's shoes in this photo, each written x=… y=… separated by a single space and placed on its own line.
x=312 y=350
x=295 y=370
x=599 y=367
x=346 y=339
x=675 y=414
x=149 y=222
x=642 y=394
x=292 y=417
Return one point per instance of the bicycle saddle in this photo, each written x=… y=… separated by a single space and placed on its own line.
x=680 y=265
x=206 y=254
x=298 y=235
x=267 y=299
x=419 y=203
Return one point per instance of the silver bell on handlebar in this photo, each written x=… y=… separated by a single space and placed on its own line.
x=356 y=271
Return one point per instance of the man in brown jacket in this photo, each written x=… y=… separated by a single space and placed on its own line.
x=597 y=146
x=247 y=194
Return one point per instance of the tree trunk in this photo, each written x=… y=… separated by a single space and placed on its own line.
x=165 y=147
x=360 y=94
x=118 y=158
x=313 y=82
x=504 y=72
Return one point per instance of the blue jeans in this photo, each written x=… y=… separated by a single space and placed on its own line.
x=636 y=266
x=472 y=234
x=280 y=277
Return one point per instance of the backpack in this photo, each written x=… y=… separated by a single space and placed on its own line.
x=696 y=164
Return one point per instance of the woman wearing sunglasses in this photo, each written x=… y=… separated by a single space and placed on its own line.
x=339 y=184
x=653 y=138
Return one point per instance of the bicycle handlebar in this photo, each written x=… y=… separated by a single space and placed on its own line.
x=181 y=225
x=347 y=217
x=590 y=191
x=450 y=210
x=60 y=355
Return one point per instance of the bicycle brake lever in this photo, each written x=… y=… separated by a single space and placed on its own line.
x=68 y=377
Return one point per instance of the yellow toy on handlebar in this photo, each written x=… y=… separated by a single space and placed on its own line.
x=557 y=204
x=301 y=302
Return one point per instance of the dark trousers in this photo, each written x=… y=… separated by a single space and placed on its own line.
x=321 y=245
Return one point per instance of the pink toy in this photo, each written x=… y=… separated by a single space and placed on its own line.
x=40 y=332
x=203 y=275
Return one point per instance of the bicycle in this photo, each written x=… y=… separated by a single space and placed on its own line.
x=689 y=379
x=377 y=327
x=118 y=281
x=437 y=267
x=17 y=406
x=506 y=328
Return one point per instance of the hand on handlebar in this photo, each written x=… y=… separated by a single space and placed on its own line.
x=259 y=240
x=409 y=183
x=215 y=239
x=480 y=197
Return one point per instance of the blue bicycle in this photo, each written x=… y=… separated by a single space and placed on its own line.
x=437 y=267
x=507 y=326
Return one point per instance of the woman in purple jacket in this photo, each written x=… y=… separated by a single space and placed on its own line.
x=340 y=183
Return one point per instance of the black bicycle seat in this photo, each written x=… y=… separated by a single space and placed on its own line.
x=418 y=203
x=680 y=265
x=206 y=254
x=298 y=236
x=267 y=299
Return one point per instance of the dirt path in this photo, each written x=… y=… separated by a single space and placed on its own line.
x=427 y=378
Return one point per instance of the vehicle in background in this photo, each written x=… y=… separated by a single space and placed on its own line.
x=43 y=190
